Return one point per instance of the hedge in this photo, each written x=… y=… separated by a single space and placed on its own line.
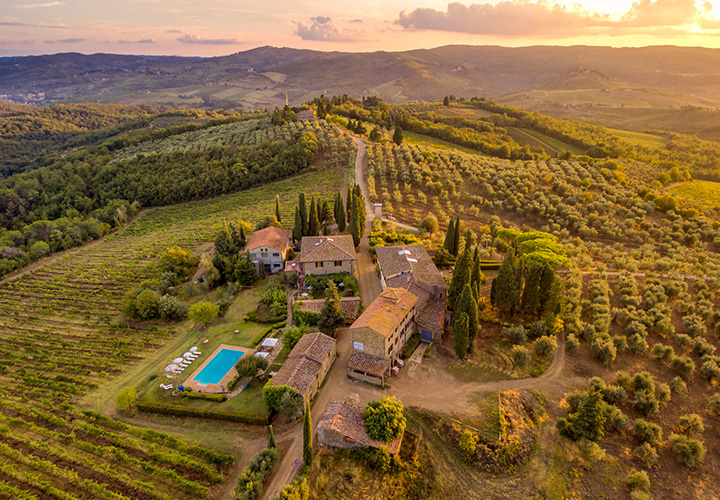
x=490 y=265
x=273 y=394
x=305 y=317
x=199 y=395
x=182 y=411
x=262 y=334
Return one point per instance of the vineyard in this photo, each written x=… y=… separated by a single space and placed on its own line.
x=593 y=204
x=59 y=343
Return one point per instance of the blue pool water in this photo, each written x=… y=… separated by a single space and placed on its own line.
x=218 y=367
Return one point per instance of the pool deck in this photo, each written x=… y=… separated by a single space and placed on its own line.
x=220 y=387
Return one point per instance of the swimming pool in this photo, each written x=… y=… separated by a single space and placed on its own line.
x=219 y=366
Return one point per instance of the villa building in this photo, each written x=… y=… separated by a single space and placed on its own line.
x=307 y=364
x=327 y=255
x=268 y=249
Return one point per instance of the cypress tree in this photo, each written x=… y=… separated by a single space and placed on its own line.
x=349 y=201
x=297 y=232
x=302 y=205
x=460 y=276
x=271 y=439
x=548 y=290
x=531 y=292
x=330 y=314
x=450 y=237
x=313 y=219
x=340 y=214
x=589 y=421
x=456 y=238
x=277 y=208
x=307 y=436
x=476 y=276
x=507 y=288
x=467 y=306
x=357 y=226
x=397 y=135
x=460 y=330
x=357 y=193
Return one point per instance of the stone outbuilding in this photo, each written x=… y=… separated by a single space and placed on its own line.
x=268 y=248
x=327 y=255
x=342 y=426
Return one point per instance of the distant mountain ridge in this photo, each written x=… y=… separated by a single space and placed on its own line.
x=264 y=76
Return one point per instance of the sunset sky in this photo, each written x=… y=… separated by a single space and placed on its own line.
x=217 y=27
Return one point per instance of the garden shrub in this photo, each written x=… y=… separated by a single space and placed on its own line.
x=521 y=356
x=647 y=432
x=690 y=424
x=638 y=480
x=687 y=450
x=515 y=334
x=545 y=346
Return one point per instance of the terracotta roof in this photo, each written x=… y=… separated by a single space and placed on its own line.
x=432 y=315
x=270 y=237
x=402 y=265
x=314 y=346
x=363 y=362
x=349 y=306
x=297 y=373
x=347 y=419
x=387 y=311
x=327 y=248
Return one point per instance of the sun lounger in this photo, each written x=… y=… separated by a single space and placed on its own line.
x=166 y=387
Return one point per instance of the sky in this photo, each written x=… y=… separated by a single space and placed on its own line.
x=219 y=27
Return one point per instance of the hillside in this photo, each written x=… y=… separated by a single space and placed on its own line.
x=636 y=84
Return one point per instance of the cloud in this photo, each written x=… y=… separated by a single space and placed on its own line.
x=173 y=31
x=66 y=40
x=28 y=25
x=355 y=21
x=188 y=38
x=144 y=40
x=504 y=18
x=323 y=30
x=662 y=13
x=38 y=5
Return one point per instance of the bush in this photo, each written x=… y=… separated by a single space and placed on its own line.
x=184 y=411
x=677 y=384
x=682 y=365
x=384 y=419
x=178 y=261
x=250 y=483
x=249 y=366
x=291 y=404
x=572 y=344
x=203 y=312
x=691 y=424
x=603 y=348
x=638 y=480
x=687 y=450
x=515 y=334
x=521 y=356
x=538 y=329
x=647 y=432
x=637 y=343
x=273 y=394
x=171 y=308
x=714 y=403
x=646 y=402
x=647 y=453
x=218 y=398
x=545 y=346
x=125 y=398
x=293 y=335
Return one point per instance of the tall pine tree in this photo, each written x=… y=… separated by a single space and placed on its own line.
x=460 y=331
x=307 y=436
x=450 y=237
x=460 y=276
x=467 y=306
x=456 y=238
x=340 y=214
x=271 y=439
x=357 y=225
x=506 y=293
x=531 y=292
x=302 y=205
x=277 y=208
x=349 y=201
x=330 y=314
x=313 y=219
x=297 y=231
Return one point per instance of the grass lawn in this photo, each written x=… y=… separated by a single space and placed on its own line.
x=426 y=140
x=705 y=192
x=640 y=139
x=250 y=401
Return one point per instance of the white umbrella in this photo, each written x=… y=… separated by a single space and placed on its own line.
x=171 y=368
x=178 y=360
x=193 y=349
x=188 y=355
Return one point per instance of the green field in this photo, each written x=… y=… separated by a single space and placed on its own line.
x=62 y=351
x=705 y=192
x=426 y=140
x=559 y=145
x=639 y=138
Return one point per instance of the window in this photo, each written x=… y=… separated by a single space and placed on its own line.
x=263 y=255
x=318 y=264
x=275 y=254
x=338 y=263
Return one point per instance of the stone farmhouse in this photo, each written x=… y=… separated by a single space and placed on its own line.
x=268 y=248
x=380 y=333
x=342 y=426
x=411 y=267
x=307 y=365
x=327 y=255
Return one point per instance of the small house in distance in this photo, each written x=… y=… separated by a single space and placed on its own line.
x=411 y=267
x=342 y=426
x=307 y=364
x=327 y=254
x=380 y=333
x=268 y=248
x=305 y=115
